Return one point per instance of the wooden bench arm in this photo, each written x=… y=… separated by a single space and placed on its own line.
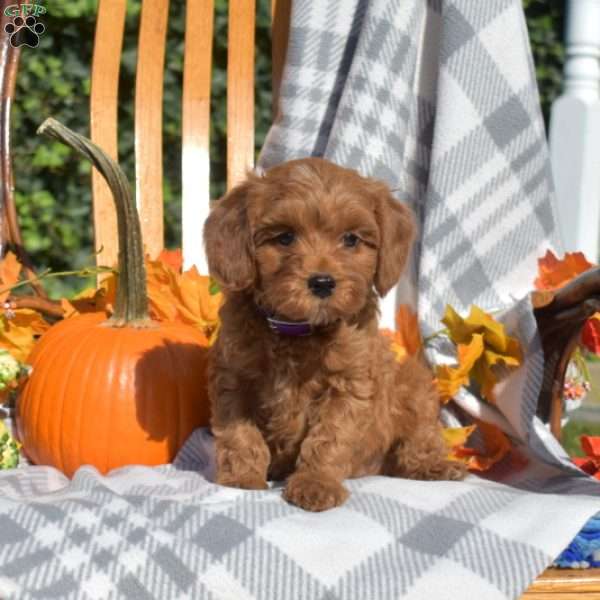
x=560 y=316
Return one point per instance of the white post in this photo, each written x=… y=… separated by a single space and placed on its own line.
x=575 y=131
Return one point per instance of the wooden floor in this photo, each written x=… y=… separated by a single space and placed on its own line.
x=565 y=584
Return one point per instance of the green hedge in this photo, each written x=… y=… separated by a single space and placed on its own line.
x=545 y=21
x=53 y=188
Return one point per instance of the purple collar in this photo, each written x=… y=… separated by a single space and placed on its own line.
x=291 y=328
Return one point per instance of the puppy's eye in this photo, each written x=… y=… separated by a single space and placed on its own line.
x=286 y=238
x=350 y=240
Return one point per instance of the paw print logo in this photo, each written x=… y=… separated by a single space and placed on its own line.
x=24 y=32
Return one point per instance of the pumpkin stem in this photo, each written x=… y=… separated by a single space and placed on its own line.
x=131 y=304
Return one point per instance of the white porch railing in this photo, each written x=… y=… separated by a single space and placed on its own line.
x=575 y=131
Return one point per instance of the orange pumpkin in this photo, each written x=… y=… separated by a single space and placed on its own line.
x=126 y=390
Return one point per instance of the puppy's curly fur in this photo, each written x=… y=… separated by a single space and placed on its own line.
x=334 y=404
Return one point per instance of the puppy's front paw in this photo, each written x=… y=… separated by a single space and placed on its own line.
x=453 y=470
x=249 y=481
x=443 y=470
x=314 y=492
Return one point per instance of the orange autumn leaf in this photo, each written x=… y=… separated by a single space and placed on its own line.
x=10 y=269
x=396 y=345
x=173 y=258
x=495 y=442
x=497 y=446
x=406 y=339
x=482 y=344
x=182 y=297
x=172 y=295
x=590 y=334
x=590 y=445
x=494 y=334
x=590 y=463
x=197 y=303
x=553 y=273
x=101 y=299
x=161 y=279
x=455 y=438
x=407 y=329
x=19 y=333
x=450 y=379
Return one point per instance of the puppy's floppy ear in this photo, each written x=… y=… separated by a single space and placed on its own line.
x=396 y=231
x=228 y=242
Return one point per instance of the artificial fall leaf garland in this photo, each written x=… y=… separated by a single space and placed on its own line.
x=173 y=295
x=496 y=445
x=450 y=379
x=482 y=344
x=182 y=296
x=10 y=269
x=19 y=327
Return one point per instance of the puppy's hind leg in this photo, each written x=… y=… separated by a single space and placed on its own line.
x=423 y=456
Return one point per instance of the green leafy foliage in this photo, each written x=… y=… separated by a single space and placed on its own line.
x=545 y=22
x=53 y=186
x=9 y=449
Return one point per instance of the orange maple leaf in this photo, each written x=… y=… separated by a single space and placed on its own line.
x=101 y=299
x=172 y=295
x=554 y=273
x=19 y=333
x=450 y=379
x=407 y=328
x=406 y=339
x=456 y=438
x=482 y=343
x=10 y=269
x=590 y=463
x=590 y=334
x=173 y=258
x=182 y=297
x=19 y=329
x=496 y=445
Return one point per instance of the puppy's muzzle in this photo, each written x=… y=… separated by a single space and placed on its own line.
x=321 y=284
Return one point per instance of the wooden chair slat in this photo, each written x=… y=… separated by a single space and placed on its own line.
x=108 y=41
x=240 y=90
x=148 y=122
x=195 y=129
x=281 y=12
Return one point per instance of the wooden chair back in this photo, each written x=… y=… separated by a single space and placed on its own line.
x=195 y=112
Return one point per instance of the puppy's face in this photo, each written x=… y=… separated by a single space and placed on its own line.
x=310 y=238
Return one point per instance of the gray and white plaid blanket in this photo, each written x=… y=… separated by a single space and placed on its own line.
x=438 y=99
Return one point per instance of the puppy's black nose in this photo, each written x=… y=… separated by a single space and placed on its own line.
x=321 y=284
